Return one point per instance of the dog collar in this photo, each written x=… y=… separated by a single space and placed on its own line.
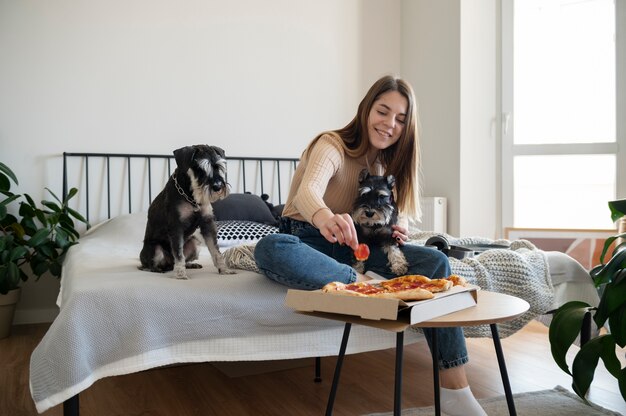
x=184 y=195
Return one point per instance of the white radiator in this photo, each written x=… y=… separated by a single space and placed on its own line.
x=434 y=214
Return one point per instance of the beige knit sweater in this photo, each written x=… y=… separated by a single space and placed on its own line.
x=326 y=177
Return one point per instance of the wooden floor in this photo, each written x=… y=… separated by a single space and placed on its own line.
x=366 y=384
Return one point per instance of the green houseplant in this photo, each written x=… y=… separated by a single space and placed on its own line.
x=33 y=239
x=610 y=278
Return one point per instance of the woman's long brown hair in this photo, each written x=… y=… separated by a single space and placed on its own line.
x=402 y=158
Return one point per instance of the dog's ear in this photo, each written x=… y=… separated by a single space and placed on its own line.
x=219 y=151
x=391 y=181
x=363 y=175
x=184 y=155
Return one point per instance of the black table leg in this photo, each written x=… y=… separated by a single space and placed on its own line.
x=397 y=398
x=435 y=354
x=318 y=370
x=503 y=372
x=342 y=353
x=70 y=406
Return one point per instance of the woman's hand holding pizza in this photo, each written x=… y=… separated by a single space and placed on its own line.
x=336 y=228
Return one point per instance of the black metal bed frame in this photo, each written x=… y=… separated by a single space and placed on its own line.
x=253 y=174
x=256 y=175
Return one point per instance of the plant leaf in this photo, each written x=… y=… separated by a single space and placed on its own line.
x=39 y=266
x=53 y=206
x=39 y=237
x=61 y=238
x=5 y=184
x=76 y=215
x=41 y=216
x=9 y=200
x=30 y=200
x=607 y=244
x=54 y=196
x=586 y=361
x=47 y=250
x=7 y=171
x=618 y=209
x=18 y=253
x=13 y=274
x=612 y=299
x=70 y=231
x=564 y=329
x=70 y=195
x=617 y=323
x=606 y=272
x=55 y=268
x=18 y=230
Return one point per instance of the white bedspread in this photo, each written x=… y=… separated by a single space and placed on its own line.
x=115 y=319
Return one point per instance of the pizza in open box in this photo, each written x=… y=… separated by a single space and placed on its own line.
x=407 y=288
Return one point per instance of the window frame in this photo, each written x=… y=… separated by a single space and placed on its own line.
x=509 y=150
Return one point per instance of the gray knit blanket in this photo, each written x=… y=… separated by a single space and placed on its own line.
x=521 y=271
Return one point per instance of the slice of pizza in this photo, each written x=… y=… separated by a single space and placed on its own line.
x=415 y=281
x=457 y=280
x=377 y=290
x=353 y=289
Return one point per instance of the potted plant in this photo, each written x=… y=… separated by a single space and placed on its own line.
x=30 y=236
x=610 y=279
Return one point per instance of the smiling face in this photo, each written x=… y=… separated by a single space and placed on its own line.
x=386 y=119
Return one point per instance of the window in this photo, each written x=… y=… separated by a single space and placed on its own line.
x=560 y=144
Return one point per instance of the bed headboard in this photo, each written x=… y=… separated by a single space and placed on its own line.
x=111 y=184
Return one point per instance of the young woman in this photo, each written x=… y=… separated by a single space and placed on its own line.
x=318 y=236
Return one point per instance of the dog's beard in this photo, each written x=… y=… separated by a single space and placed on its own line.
x=381 y=217
x=203 y=192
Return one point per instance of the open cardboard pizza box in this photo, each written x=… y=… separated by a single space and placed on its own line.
x=343 y=307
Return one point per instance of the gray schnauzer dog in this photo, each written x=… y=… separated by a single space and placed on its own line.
x=183 y=207
x=374 y=212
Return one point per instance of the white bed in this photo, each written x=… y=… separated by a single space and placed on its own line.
x=115 y=319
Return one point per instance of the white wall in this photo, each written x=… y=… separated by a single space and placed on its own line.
x=148 y=76
x=431 y=48
x=256 y=78
x=479 y=132
x=449 y=55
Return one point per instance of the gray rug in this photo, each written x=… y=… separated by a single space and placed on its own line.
x=555 y=402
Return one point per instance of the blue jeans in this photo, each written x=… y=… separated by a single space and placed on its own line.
x=300 y=257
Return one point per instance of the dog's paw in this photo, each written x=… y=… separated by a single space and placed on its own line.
x=397 y=262
x=226 y=270
x=193 y=266
x=180 y=271
x=399 y=269
x=359 y=266
x=399 y=265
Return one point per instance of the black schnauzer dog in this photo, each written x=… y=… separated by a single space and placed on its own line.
x=374 y=212
x=182 y=207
